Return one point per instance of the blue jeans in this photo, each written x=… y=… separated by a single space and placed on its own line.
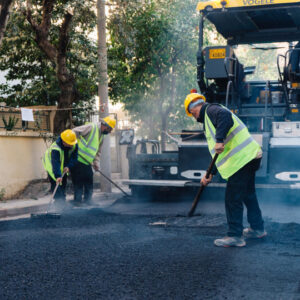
x=240 y=190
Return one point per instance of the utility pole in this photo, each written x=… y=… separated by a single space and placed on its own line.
x=105 y=161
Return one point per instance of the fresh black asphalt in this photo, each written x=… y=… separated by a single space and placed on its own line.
x=97 y=254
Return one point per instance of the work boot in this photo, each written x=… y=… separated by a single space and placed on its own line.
x=250 y=233
x=230 y=241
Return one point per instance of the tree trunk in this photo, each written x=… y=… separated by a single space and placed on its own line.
x=68 y=95
x=57 y=54
x=105 y=160
x=4 y=15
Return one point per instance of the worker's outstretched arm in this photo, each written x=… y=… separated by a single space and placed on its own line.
x=83 y=130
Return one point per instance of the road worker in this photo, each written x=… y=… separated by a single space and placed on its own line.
x=90 y=139
x=59 y=158
x=239 y=159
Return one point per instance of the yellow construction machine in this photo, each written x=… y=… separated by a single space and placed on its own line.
x=270 y=108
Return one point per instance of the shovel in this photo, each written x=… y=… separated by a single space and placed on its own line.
x=208 y=172
x=47 y=214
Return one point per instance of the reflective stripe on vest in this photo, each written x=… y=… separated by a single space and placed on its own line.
x=87 y=149
x=47 y=159
x=239 y=146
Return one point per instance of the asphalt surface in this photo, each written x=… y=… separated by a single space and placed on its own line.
x=101 y=253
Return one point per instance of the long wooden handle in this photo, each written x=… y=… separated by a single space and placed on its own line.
x=112 y=182
x=208 y=172
x=53 y=194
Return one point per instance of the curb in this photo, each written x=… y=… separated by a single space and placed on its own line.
x=13 y=212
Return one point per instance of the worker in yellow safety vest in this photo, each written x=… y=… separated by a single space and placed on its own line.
x=239 y=158
x=90 y=139
x=59 y=158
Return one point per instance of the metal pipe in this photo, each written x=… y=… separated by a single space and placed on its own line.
x=229 y=84
x=200 y=58
x=266 y=106
x=270 y=98
x=231 y=79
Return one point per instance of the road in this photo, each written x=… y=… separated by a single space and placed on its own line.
x=144 y=254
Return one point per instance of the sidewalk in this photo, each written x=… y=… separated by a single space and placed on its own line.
x=31 y=203
x=12 y=209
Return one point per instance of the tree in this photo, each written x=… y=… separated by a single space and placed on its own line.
x=4 y=15
x=57 y=54
x=152 y=58
x=51 y=56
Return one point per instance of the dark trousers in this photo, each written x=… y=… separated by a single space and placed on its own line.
x=82 y=178
x=241 y=190
x=60 y=194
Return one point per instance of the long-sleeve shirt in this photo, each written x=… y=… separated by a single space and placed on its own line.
x=69 y=161
x=84 y=131
x=220 y=117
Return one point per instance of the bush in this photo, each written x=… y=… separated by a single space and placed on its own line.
x=12 y=121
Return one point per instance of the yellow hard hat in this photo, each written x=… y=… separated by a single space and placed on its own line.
x=110 y=122
x=191 y=98
x=69 y=137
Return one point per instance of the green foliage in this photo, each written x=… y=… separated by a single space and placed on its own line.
x=11 y=123
x=152 y=56
x=152 y=61
x=30 y=76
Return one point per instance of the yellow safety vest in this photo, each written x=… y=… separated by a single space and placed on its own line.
x=47 y=159
x=240 y=147
x=87 y=149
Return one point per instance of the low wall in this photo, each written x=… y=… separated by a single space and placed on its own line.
x=21 y=159
x=21 y=154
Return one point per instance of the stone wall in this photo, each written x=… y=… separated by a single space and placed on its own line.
x=21 y=154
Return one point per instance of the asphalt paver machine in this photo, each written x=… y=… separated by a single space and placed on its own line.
x=269 y=108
